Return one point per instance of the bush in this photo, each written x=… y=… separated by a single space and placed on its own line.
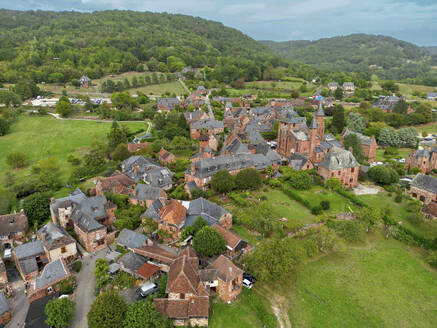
x=398 y=198
x=316 y=210
x=77 y=266
x=352 y=231
x=209 y=242
x=432 y=259
x=248 y=179
x=325 y=205
x=222 y=182
x=383 y=175
x=16 y=159
x=295 y=195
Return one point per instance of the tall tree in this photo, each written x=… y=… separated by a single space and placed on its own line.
x=116 y=136
x=107 y=311
x=338 y=120
x=59 y=312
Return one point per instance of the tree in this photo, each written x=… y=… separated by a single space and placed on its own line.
x=222 y=182
x=16 y=159
x=37 y=207
x=120 y=153
x=117 y=135
x=408 y=136
x=209 y=242
x=300 y=180
x=334 y=184
x=63 y=107
x=59 y=312
x=390 y=87
x=141 y=314
x=355 y=122
x=248 y=178
x=338 y=120
x=383 y=175
x=389 y=137
x=401 y=107
x=338 y=93
x=352 y=141
x=198 y=224
x=107 y=311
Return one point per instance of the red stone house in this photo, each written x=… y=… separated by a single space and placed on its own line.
x=13 y=228
x=3 y=276
x=29 y=258
x=166 y=157
x=48 y=281
x=172 y=217
x=145 y=195
x=188 y=297
x=424 y=159
x=118 y=183
x=57 y=243
x=341 y=164
x=209 y=126
x=368 y=144
x=134 y=147
x=234 y=244
x=229 y=278
x=424 y=188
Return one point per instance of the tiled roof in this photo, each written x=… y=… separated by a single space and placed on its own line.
x=183 y=277
x=198 y=307
x=226 y=270
x=11 y=223
x=232 y=239
x=147 y=270
x=131 y=262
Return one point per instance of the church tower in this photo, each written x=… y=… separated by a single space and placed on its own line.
x=320 y=117
x=313 y=132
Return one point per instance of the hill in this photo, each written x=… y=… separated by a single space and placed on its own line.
x=387 y=57
x=61 y=46
x=432 y=49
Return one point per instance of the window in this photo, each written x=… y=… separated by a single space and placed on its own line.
x=353 y=170
x=414 y=195
x=422 y=198
x=63 y=250
x=351 y=180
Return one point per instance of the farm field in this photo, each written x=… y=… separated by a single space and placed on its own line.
x=46 y=137
x=380 y=284
x=159 y=89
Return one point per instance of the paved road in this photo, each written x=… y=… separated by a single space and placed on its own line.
x=19 y=305
x=84 y=294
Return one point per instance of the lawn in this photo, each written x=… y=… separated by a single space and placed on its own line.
x=245 y=312
x=288 y=208
x=317 y=194
x=403 y=152
x=382 y=284
x=46 y=137
x=159 y=89
x=430 y=128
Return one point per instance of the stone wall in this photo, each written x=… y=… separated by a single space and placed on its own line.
x=423 y=195
x=90 y=240
x=70 y=252
x=347 y=176
x=226 y=290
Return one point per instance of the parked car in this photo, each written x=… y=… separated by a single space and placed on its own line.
x=64 y=296
x=148 y=289
x=247 y=283
x=7 y=254
x=249 y=277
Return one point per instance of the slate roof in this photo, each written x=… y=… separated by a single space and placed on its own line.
x=207 y=124
x=85 y=78
x=52 y=272
x=12 y=223
x=259 y=110
x=297 y=161
x=237 y=147
x=205 y=208
x=168 y=103
x=131 y=239
x=143 y=168
x=54 y=236
x=425 y=182
x=271 y=154
x=194 y=115
x=226 y=270
x=28 y=265
x=86 y=213
x=131 y=262
x=145 y=192
x=320 y=111
x=30 y=249
x=339 y=158
x=4 y=307
x=153 y=210
x=209 y=166
x=290 y=116
x=76 y=197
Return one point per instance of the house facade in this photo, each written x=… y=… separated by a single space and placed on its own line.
x=57 y=243
x=13 y=228
x=341 y=164
x=424 y=188
x=368 y=144
x=424 y=159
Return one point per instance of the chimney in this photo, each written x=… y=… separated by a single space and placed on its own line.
x=136 y=169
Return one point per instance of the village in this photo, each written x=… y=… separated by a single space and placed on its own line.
x=82 y=232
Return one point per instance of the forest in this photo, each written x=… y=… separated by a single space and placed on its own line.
x=59 y=47
x=384 y=56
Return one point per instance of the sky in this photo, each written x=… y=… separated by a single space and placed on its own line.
x=281 y=20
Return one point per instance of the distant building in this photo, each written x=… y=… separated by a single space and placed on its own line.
x=349 y=87
x=332 y=86
x=85 y=82
x=368 y=144
x=341 y=164
x=12 y=228
x=431 y=96
x=424 y=188
x=424 y=159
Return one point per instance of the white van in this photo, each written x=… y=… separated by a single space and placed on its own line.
x=148 y=289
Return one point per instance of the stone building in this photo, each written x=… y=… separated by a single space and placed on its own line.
x=29 y=258
x=13 y=228
x=209 y=211
x=57 y=243
x=208 y=126
x=166 y=157
x=234 y=244
x=118 y=183
x=368 y=144
x=424 y=188
x=424 y=159
x=341 y=164
x=188 y=297
x=229 y=278
x=145 y=195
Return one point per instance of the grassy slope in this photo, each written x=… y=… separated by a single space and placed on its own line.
x=47 y=137
x=382 y=284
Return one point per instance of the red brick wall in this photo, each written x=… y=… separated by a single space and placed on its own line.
x=423 y=195
x=348 y=176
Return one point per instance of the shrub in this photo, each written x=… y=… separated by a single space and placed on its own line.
x=316 y=210
x=222 y=182
x=325 y=205
x=432 y=259
x=383 y=175
x=209 y=242
x=352 y=231
x=248 y=179
x=77 y=266
x=398 y=198
x=16 y=159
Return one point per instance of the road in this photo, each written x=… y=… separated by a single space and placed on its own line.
x=208 y=103
x=84 y=293
x=20 y=306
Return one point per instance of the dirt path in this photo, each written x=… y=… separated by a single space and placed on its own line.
x=280 y=309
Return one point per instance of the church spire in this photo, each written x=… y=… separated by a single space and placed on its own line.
x=320 y=111
x=314 y=124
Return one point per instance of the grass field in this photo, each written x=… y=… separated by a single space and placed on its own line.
x=46 y=137
x=430 y=128
x=245 y=312
x=403 y=152
x=381 y=284
x=158 y=89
